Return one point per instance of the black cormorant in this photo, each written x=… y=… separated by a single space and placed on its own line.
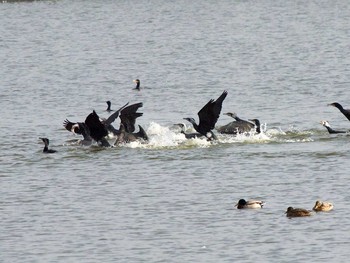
x=330 y=129
x=126 y=137
x=188 y=135
x=79 y=128
x=128 y=118
x=208 y=116
x=46 y=147
x=98 y=129
x=239 y=126
x=342 y=110
x=109 y=106
x=137 y=81
x=83 y=129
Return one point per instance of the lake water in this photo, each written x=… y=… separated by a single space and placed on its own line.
x=172 y=200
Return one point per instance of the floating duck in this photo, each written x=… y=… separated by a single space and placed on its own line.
x=297 y=212
x=250 y=204
x=322 y=206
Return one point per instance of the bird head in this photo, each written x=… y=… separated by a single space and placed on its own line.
x=325 y=123
x=231 y=114
x=335 y=104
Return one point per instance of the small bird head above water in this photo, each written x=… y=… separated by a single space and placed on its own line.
x=137 y=81
x=325 y=123
x=108 y=105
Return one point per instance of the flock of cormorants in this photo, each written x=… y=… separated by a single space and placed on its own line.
x=100 y=130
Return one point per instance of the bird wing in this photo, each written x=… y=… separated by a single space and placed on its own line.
x=209 y=114
x=72 y=126
x=96 y=128
x=85 y=131
x=114 y=115
x=346 y=113
x=129 y=115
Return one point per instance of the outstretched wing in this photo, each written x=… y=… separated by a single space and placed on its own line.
x=96 y=128
x=209 y=114
x=72 y=126
x=115 y=115
x=129 y=115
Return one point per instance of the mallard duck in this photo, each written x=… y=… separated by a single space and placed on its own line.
x=250 y=204
x=297 y=212
x=322 y=206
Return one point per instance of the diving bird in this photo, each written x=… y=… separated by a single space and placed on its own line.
x=137 y=81
x=297 y=212
x=330 y=129
x=208 y=116
x=322 y=206
x=239 y=126
x=341 y=109
x=250 y=204
x=46 y=147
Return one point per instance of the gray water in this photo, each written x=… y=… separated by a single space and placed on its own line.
x=172 y=200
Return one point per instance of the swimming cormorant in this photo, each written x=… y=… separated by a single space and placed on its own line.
x=188 y=135
x=208 y=116
x=46 y=147
x=137 y=81
x=109 y=106
x=329 y=128
x=341 y=109
x=239 y=126
x=126 y=137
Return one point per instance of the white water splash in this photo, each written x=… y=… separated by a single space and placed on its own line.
x=170 y=137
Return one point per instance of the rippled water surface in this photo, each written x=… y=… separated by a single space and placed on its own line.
x=172 y=199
